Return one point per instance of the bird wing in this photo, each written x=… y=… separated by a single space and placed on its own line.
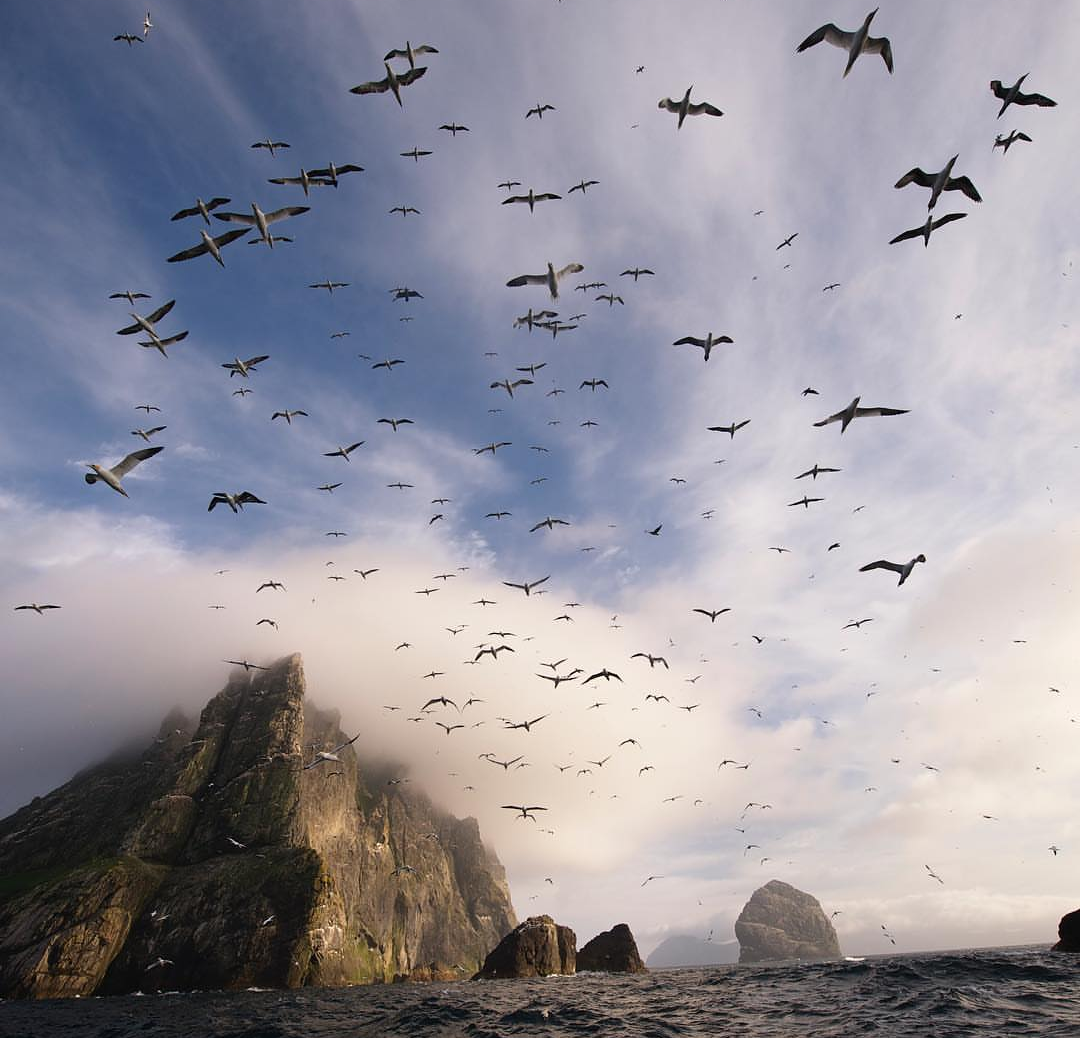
x=195 y=250
x=916 y=176
x=894 y=567
x=1034 y=99
x=182 y=214
x=868 y=412
x=290 y=210
x=704 y=108
x=840 y=414
x=965 y=185
x=249 y=498
x=411 y=76
x=947 y=218
x=229 y=236
x=689 y=340
x=376 y=86
x=570 y=268
x=256 y=360
x=123 y=467
x=247 y=219
x=879 y=45
x=915 y=232
x=527 y=279
x=828 y=34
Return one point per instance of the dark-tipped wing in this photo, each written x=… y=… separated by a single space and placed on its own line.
x=840 y=414
x=570 y=268
x=704 y=108
x=894 y=567
x=916 y=176
x=289 y=210
x=527 y=279
x=871 y=412
x=879 y=45
x=248 y=498
x=124 y=467
x=827 y=34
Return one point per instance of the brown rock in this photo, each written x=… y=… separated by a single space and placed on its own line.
x=539 y=947
x=781 y=922
x=613 y=951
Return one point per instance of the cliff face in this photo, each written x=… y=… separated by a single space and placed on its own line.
x=781 y=922
x=218 y=853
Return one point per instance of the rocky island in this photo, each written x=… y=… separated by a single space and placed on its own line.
x=1069 y=933
x=781 y=922
x=216 y=859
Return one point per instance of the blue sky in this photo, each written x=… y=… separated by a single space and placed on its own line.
x=104 y=142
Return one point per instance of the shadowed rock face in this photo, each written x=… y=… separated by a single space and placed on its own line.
x=613 y=951
x=539 y=947
x=1069 y=933
x=219 y=853
x=780 y=922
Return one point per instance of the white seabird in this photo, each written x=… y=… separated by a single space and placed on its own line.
x=855 y=43
x=940 y=181
x=684 y=107
x=113 y=476
x=551 y=278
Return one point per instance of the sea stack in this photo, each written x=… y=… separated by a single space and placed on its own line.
x=216 y=859
x=781 y=922
x=539 y=947
x=613 y=951
x=1069 y=933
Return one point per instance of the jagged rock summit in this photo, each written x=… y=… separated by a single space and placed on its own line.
x=1069 y=933
x=781 y=922
x=613 y=951
x=539 y=947
x=216 y=860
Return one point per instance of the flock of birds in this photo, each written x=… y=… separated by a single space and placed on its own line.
x=401 y=73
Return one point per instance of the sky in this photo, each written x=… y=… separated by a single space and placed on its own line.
x=938 y=736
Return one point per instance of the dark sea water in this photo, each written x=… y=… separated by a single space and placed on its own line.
x=1013 y=991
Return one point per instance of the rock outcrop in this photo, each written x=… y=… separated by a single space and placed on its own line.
x=780 y=922
x=613 y=951
x=539 y=947
x=1069 y=933
x=217 y=852
x=684 y=950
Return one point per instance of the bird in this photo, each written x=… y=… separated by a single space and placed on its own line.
x=395 y=422
x=730 y=429
x=856 y=42
x=235 y=502
x=145 y=434
x=1004 y=142
x=270 y=145
x=454 y=128
x=523 y=725
x=816 y=471
x=330 y=285
x=539 y=110
x=853 y=411
x=806 y=502
x=159 y=961
x=549 y=523
x=265 y=620
x=200 y=208
x=831 y=287
x=934 y=875
x=551 y=279
x=1013 y=96
x=582 y=185
x=655 y=531
x=112 y=476
x=247 y=667
x=416 y=154
x=653 y=660
x=129 y=296
x=493 y=447
x=531 y=199
x=405 y=210
x=344 y=452
x=410 y=52
x=787 y=241
x=511 y=386
x=904 y=569
x=236 y=366
x=213 y=246
x=261 y=221
x=39 y=609
x=526 y=812
x=391 y=82
x=610 y=299
x=927 y=228
x=330 y=174
x=712 y=614
x=649 y=879
x=637 y=272
x=128 y=38
x=593 y=384
x=289 y=416
x=940 y=181
x=148 y=325
x=526 y=586
x=389 y=364
x=273 y=585
x=304 y=180
x=606 y=674
x=686 y=107
x=857 y=623
x=705 y=344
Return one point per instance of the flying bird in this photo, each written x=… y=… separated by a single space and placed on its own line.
x=859 y=41
x=391 y=82
x=685 y=107
x=927 y=228
x=731 y=430
x=1000 y=141
x=1013 y=96
x=705 y=344
x=531 y=199
x=410 y=52
x=261 y=221
x=904 y=569
x=200 y=208
x=853 y=411
x=551 y=279
x=213 y=246
x=539 y=110
x=270 y=145
x=528 y=587
x=113 y=476
x=940 y=181
x=526 y=812
x=242 y=368
x=235 y=502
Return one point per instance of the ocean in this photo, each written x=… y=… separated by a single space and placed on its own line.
x=991 y=992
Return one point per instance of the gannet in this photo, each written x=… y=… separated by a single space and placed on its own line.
x=200 y=208
x=551 y=278
x=855 y=43
x=410 y=52
x=1013 y=96
x=261 y=220
x=684 y=107
x=113 y=476
x=392 y=82
x=853 y=411
x=705 y=344
x=940 y=181
x=904 y=569
x=925 y=230
x=209 y=245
